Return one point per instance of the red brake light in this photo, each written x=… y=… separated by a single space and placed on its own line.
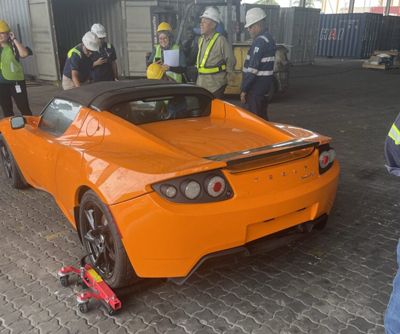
x=326 y=158
x=215 y=185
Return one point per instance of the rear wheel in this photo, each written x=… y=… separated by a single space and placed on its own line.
x=102 y=241
x=11 y=168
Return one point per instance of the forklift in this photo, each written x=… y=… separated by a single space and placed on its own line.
x=230 y=13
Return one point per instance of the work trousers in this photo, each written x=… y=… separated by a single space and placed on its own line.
x=392 y=316
x=257 y=104
x=67 y=83
x=219 y=93
x=8 y=90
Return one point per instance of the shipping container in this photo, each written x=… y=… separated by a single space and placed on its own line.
x=390 y=33
x=298 y=31
x=52 y=27
x=348 y=35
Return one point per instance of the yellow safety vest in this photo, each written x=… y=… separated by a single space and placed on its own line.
x=9 y=66
x=202 y=69
x=176 y=76
x=74 y=50
x=394 y=133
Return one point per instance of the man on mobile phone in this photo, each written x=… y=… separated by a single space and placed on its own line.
x=104 y=62
x=79 y=63
x=12 y=80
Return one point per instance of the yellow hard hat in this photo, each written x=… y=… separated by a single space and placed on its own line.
x=4 y=26
x=164 y=26
x=155 y=71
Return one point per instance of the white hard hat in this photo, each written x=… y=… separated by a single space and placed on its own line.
x=212 y=14
x=254 y=15
x=99 y=30
x=91 y=41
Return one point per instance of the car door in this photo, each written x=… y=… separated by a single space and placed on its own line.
x=41 y=145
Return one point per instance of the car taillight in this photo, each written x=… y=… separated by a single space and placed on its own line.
x=191 y=189
x=326 y=157
x=211 y=186
x=215 y=185
x=168 y=190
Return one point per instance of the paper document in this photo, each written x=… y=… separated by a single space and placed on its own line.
x=171 y=57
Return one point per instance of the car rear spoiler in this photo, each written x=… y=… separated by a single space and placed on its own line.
x=270 y=150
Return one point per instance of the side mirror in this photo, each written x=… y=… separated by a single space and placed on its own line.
x=17 y=122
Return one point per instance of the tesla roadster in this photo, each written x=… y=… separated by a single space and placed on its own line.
x=159 y=178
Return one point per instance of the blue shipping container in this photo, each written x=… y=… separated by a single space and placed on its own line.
x=348 y=35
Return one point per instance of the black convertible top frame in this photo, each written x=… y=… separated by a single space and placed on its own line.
x=102 y=95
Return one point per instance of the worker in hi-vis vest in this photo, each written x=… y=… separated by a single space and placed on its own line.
x=215 y=57
x=258 y=68
x=166 y=42
x=104 y=62
x=392 y=152
x=12 y=80
x=79 y=62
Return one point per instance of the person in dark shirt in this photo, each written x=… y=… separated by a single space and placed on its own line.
x=392 y=152
x=79 y=62
x=258 y=68
x=104 y=62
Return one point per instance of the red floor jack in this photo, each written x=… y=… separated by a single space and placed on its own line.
x=88 y=277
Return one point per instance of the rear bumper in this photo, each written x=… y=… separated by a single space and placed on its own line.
x=164 y=239
x=258 y=246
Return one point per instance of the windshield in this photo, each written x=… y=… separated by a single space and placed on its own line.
x=163 y=108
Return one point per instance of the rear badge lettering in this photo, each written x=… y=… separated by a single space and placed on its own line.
x=284 y=174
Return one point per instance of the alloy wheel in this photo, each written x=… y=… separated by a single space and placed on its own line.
x=6 y=160
x=98 y=240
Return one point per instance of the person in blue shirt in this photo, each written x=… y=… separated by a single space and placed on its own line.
x=104 y=62
x=392 y=151
x=258 y=69
x=79 y=62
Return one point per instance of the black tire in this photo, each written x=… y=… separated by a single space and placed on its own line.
x=13 y=173
x=64 y=281
x=101 y=239
x=84 y=307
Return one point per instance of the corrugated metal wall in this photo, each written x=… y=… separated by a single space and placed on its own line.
x=73 y=18
x=390 y=33
x=16 y=13
x=348 y=35
x=298 y=30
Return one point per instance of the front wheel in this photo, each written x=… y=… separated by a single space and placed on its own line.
x=13 y=174
x=102 y=242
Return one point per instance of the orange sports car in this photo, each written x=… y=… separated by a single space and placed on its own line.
x=159 y=178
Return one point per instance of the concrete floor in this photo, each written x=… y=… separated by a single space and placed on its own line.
x=337 y=281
